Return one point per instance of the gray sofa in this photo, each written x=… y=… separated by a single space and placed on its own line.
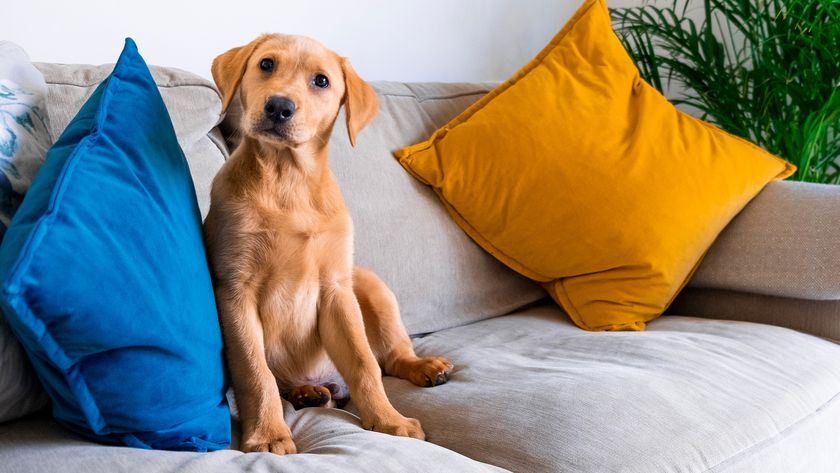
x=743 y=375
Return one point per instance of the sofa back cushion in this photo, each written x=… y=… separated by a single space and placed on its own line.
x=440 y=276
x=193 y=103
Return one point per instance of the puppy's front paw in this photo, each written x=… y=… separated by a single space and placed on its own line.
x=399 y=426
x=429 y=371
x=277 y=440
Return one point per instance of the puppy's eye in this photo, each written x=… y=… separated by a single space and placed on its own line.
x=267 y=65
x=321 y=81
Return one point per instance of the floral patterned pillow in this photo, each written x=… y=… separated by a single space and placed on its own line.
x=24 y=140
x=24 y=130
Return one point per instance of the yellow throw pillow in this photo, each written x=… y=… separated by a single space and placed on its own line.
x=578 y=174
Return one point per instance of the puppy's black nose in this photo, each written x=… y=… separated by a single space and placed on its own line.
x=279 y=109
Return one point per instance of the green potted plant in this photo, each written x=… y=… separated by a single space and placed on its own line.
x=765 y=70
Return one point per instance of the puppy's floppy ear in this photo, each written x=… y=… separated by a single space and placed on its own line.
x=360 y=101
x=229 y=68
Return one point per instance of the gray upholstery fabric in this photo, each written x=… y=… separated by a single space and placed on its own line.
x=440 y=276
x=329 y=440
x=777 y=262
x=785 y=243
x=193 y=104
x=20 y=391
x=820 y=318
x=530 y=392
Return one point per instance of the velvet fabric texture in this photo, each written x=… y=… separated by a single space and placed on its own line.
x=105 y=281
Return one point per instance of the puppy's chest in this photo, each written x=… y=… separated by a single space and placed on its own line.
x=308 y=234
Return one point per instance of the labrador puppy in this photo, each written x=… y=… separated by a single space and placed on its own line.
x=298 y=318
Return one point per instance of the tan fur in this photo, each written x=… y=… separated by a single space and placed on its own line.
x=293 y=307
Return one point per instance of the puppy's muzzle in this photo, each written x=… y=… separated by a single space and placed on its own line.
x=279 y=110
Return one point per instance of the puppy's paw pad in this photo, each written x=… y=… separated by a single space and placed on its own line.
x=309 y=396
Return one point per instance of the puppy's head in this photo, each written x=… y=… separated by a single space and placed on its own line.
x=291 y=88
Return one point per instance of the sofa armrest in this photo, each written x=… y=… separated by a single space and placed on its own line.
x=785 y=243
x=820 y=318
x=778 y=262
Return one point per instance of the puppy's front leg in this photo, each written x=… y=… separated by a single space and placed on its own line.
x=342 y=331
x=257 y=396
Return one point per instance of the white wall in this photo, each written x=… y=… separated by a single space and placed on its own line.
x=409 y=40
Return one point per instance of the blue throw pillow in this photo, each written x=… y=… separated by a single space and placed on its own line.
x=105 y=280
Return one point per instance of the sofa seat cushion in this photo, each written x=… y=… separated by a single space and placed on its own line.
x=329 y=440
x=531 y=392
